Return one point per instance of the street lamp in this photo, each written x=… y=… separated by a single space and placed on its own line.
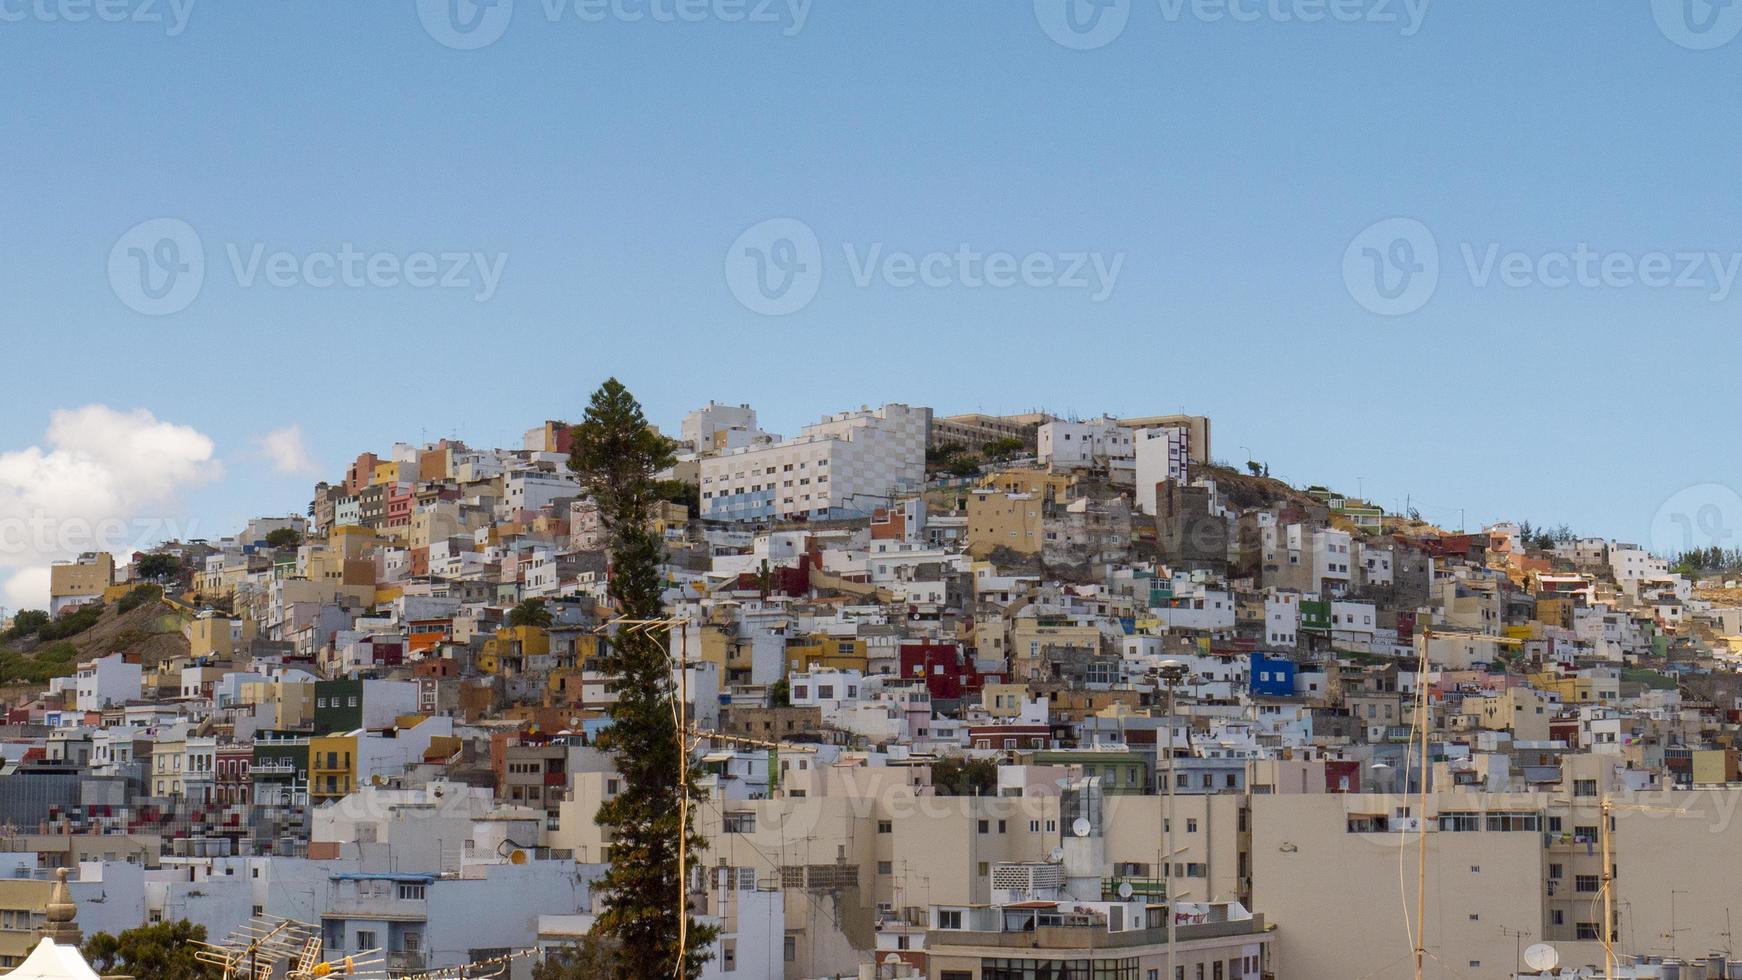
x=1172 y=673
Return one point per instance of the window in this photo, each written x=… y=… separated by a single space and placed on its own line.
x=885 y=868
x=739 y=823
x=1512 y=822
x=1584 y=787
x=1585 y=930
x=365 y=939
x=1587 y=883
x=1460 y=822
x=949 y=919
x=885 y=827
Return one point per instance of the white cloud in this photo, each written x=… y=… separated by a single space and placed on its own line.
x=284 y=448
x=26 y=590
x=103 y=480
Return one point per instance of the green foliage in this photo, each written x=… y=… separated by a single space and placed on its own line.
x=284 y=537
x=615 y=455
x=47 y=663
x=164 y=951
x=72 y=624
x=26 y=622
x=680 y=492
x=962 y=466
x=139 y=597
x=1000 y=450
x=157 y=567
x=590 y=958
x=780 y=694
x=532 y=612
x=1707 y=561
x=965 y=777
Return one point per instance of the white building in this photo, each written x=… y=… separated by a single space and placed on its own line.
x=1161 y=454
x=534 y=491
x=843 y=466
x=1101 y=442
x=723 y=428
x=106 y=681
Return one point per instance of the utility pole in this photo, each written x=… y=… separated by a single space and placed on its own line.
x=1517 y=947
x=1172 y=673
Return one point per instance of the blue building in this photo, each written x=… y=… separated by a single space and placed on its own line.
x=1272 y=675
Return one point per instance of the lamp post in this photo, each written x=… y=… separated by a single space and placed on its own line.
x=1172 y=672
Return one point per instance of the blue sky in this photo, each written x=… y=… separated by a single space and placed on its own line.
x=609 y=164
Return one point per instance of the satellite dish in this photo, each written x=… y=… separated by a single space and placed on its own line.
x=1541 y=957
x=1081 y=827
x=1058 y=854
x=1125 y=890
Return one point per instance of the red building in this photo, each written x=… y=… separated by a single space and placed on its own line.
x=949 y=673
x=232 y=782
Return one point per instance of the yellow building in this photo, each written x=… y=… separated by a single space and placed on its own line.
x=828 y=653
x=23 y=916
x=1030 y=641
x=1714 y=767
x=1042 y=483
x=332 y=766
x=510 y=649
x=384 y=473
x=1004 y=520
x=218 y=637
x=72 y=582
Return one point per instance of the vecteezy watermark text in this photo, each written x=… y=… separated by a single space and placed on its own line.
x=40 y=533
x=159 y=267
x=776 y=267
x=172 y=14
x=468 y=25
x=1393 y=268
x=1083 y=25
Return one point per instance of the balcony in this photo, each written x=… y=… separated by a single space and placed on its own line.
x=406 y=962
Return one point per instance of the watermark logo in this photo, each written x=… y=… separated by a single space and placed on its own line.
x=1393 y=267
x=465 y=25
x=158 y=267
x=1705 y=516
x=1083 y=25
x=468 y=25
x=776 y=267
x=1406 y=15
x=173 y=15
x=41 y=533
x=1698 y=25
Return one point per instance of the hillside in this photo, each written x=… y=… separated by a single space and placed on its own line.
x=151 y=629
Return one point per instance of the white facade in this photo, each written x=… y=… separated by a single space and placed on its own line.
x=106 y=681
x=1161 y=454
x=1098 y=442
x=534 y=491
x=845 y=465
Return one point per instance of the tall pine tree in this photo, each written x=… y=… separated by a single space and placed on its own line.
x=616 y=455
